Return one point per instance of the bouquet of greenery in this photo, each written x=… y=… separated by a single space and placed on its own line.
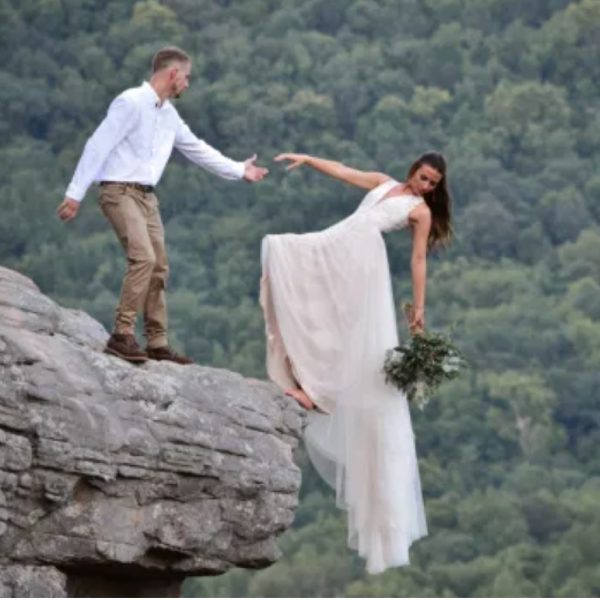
x=419 y=366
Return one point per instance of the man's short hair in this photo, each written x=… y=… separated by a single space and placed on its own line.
x=165 y=57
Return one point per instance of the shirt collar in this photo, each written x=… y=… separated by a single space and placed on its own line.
x=151 y=94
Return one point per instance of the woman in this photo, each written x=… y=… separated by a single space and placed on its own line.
x=330 y=318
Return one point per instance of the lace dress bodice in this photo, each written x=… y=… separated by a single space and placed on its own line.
x=393 y=212
x=386 y=214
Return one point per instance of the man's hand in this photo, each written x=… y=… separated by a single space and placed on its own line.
x=67 y=209
x=252 y=173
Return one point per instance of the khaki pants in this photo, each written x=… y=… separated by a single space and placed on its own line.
x=136 y=220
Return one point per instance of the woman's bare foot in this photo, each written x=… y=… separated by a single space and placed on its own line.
x=301 y=397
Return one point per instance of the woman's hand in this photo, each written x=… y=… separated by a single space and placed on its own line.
x=296 y=160
x=417 y=321
x=333 y=168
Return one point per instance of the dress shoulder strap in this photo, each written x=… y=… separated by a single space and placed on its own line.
x=374 y=195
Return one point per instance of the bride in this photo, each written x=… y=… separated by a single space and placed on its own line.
x=329 y=319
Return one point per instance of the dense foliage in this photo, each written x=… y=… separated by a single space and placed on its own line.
x=508 y=90
x=421 y=363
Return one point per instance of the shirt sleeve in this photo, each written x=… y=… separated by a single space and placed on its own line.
x=205 y=156
x=121 y=117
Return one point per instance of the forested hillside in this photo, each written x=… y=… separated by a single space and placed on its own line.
x=509 y=91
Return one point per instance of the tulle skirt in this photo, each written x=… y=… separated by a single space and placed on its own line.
x=330 y=317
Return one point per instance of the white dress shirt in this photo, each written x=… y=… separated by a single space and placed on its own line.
x=135 y=140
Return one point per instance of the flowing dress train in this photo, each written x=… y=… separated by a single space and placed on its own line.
x=329 y=319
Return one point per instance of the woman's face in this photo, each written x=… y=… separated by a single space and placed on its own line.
x=424 y=179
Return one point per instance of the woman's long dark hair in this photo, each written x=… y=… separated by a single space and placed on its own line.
x=438 y=200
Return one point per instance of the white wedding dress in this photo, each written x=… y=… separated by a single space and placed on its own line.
x=330 y=317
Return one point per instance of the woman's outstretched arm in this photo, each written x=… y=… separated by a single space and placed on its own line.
x=421 y=222
x=362 y=179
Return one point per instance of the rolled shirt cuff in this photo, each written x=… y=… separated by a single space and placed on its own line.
x=240 y=169
x=75 y=192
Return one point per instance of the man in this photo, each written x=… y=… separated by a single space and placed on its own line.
x=127 y=155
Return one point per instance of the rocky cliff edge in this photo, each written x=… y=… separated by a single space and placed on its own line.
x=121 y=480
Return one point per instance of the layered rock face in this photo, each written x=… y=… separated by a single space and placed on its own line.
x=121 y=480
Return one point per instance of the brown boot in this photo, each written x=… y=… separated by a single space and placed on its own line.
x=124 y=346
x=165 y=353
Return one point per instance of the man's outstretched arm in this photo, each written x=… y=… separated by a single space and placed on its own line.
x=207 y=157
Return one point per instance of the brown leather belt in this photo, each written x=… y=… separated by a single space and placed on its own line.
x=147 y=189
